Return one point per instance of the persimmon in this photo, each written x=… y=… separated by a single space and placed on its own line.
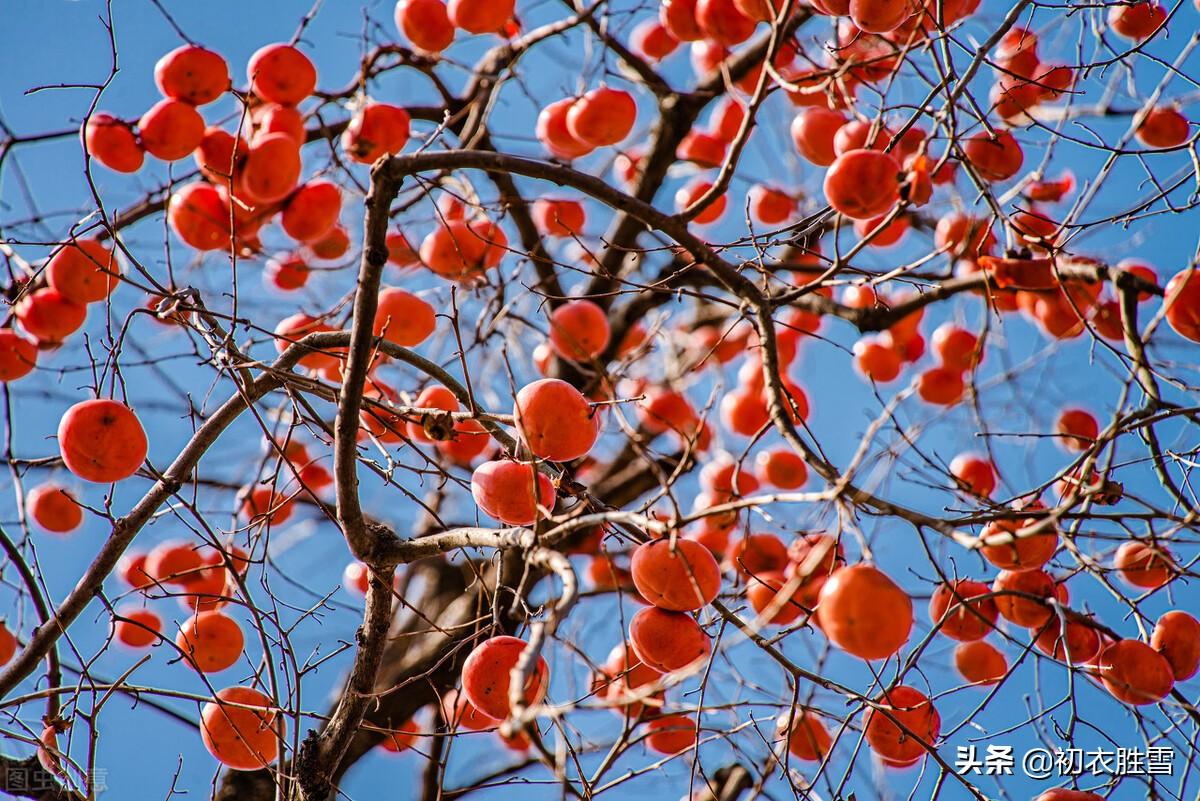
x=941 y=386
x=555 y=420
x=192 y=74
x=481 y=16
x=1022 y=595
x=1025 y=552
x=671 y=734
x=273 y=118
x=1182 y=304
x=281 y=73
x=864 y=612
x=1077 y=429
x=559 y=218
x=1142 y=565
x=875 y=361
x=765 y=590
x=681 y=576
x=272 y=168
x=782 y=468
x=859 y=135
x=312 y=210
x=862 y=184
x=1134 y=672
x=1177 y=637
x=101 y=441
x=1077 y=642
x=132 y=569
x=171 y=129
x=403 y=318
x=401 y=739
x=956 y=347
x=263 y=504
x=426 y=24
x=980 y=662
x=207 y=588
x=54 y=508
x=994 y=158
x=806 y=735
x=702 y=148
x=218 y=154
x=461 y=713
x=754 y=554
x=724 y=478
x=112 y=143
x=48 y=315
x=554 y=132
x=667 y=641
x=288 y=274
x=83 y=270
x=880 y=16
x=603 y=116
x=401 y=253
x=722 y=22
x=294 y=328
x=579 y=330
x=377 y=129
x=770 y=206
x=1138 y=20
x=974 y=473
x=8 y=644
x=241 y=727
x=689 y=194
x=964 y=236
x=879 y=235
x=652 y=40
x=963 y=610
x=906 y=728
x=487 y=676
x=435 y=396
x=212 y=641
x=199 y=216
x=136 y=627
x=727 y=117
x=679 y=18
x=18 y=355
x=174 y=562
x=505 y=490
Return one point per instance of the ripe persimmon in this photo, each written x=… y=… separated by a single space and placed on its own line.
x=755 y=554
x=481 y=16
x=603 y=116
x=8 y=644
x=49 y=316
x=1177 y=637
x=18 y=355
x=136 y=627
x=555 y=420
x=579 y=330
x=426 y=24
x=171 y=129
x=101 y=441
x=806 y=734
x=974 y=473
x=559 y=218
x=1182 y=304
x=862 y=184
x=1134 y=672
x=54 y=508
x=980 y=662
x=487 y=676
x=403 y=318
x=377 y=129
x=1142 y=565
x=994 y=158
x=212 y=641
x=272 y=168
x=963 y=614
x=312 y=210
x=280 y=73
x=681 y=577
x=766 y=590
x=239 y=728
x=864 y=612
x=906 y=728
x=1029 y=612
x=112 y=143
x=667 y=641
x=505 y=490
x=671 y=734
x=782 y=468
x=1077 y=429
x=192 y=74
x=199 y=216
x=83 y=270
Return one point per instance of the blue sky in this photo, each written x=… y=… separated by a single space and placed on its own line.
x=48 y=43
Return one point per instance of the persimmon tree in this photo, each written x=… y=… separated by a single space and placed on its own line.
x=583 y=418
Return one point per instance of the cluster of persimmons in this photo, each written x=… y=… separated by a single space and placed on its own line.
x=876 y=180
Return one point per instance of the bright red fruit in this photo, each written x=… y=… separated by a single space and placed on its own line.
x=192 y=74
x=555 y=420
x=864 y=612
x=487 y=676
x=101 y=441
x=681 y=577
x=667 y=641
x=505 y=490
x=280 y=73
x=54 y=508
x=863 y=184
x=579 y=330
